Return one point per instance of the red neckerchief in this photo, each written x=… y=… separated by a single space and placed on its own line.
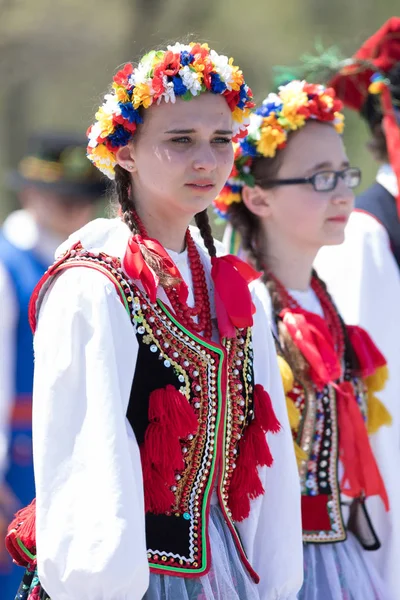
x=231 y=276
x=313 y=338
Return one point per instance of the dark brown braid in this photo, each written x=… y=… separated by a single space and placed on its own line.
x=203 y=223
x=124 y=196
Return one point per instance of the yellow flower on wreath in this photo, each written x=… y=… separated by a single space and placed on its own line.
x=141 y=95
x=105 y=120
x=272 y=136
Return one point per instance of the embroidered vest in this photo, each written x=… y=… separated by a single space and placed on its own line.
x=317 y=436
x=216 y=383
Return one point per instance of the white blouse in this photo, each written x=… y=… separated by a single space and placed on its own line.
x=90 y=509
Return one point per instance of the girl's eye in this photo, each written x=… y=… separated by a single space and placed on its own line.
x=222 y=140
x=181 y=140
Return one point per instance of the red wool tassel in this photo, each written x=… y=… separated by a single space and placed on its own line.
x=171 y=409
x=23 y=529
x=263 y=410
x=245 y=483
x=158 y=496
x=256 y=447
x=162 y=448
x=171 y=418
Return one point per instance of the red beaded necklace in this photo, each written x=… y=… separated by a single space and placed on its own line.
x=187 y=315
x=330 y=313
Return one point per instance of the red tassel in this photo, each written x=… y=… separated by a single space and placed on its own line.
x=171 y=418
x=158 y=496
x=239 y=505
x=369 y=356
x=263 y=410
x=23 y=528
x=256 y=447
x=163 y=449
x=171 y=409
x=245 y=483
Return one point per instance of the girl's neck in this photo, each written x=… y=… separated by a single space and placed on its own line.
x=292 y=266
x=169 y=232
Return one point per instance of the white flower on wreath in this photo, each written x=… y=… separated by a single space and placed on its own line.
x=169 y=93
x=94 y=134
x=222 y=67
x=190 y=79
x=178 y=47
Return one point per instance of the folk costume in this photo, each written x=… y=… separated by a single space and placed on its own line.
x=170 y=451
x=330 y=373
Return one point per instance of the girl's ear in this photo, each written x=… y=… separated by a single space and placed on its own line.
x=257 y=200
x=125 y=159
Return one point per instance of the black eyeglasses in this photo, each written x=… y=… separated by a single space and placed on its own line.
x=325 y=181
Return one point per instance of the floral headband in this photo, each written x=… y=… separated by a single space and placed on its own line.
x=181 y=71
x=270 y=124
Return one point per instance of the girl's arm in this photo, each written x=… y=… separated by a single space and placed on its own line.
x=90 y=513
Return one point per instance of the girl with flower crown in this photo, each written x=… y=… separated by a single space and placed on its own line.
x=161 y=440
x=291 y=192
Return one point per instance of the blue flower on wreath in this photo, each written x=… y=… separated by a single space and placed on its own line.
x=217 y=85
x=120 y=137
x=242 y=96
x=186 y=58
x=247 y=148
x=129 y=113
x=269 y=107
x=180 y=88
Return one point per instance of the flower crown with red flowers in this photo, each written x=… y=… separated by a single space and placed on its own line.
x=181 y=71
x=270 y=124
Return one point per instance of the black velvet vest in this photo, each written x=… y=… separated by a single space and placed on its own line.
x=218 y=382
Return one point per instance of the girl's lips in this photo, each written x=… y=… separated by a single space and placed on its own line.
x=200 y=185
x=339 y=219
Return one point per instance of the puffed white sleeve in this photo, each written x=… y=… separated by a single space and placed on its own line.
x=90 y=509
x=8 y=321
x=272 y=534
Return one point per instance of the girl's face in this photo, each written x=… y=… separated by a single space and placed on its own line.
x=181 y=155
x=298 y=214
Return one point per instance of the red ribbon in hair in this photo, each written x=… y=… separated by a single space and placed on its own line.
x=136 y=267
x=233 y=303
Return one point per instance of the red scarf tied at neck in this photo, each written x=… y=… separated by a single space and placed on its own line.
x=312 y=337
x=230 y=275
x=233 y=303
x=137 y=268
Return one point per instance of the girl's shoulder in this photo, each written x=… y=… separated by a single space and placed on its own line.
x=100 y=235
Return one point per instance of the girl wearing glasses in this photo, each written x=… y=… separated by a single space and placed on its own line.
x=291 y=192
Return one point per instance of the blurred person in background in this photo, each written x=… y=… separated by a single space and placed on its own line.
x=363 y=273
x=57 y=189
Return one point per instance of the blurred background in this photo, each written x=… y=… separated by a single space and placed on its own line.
x=58 y=58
